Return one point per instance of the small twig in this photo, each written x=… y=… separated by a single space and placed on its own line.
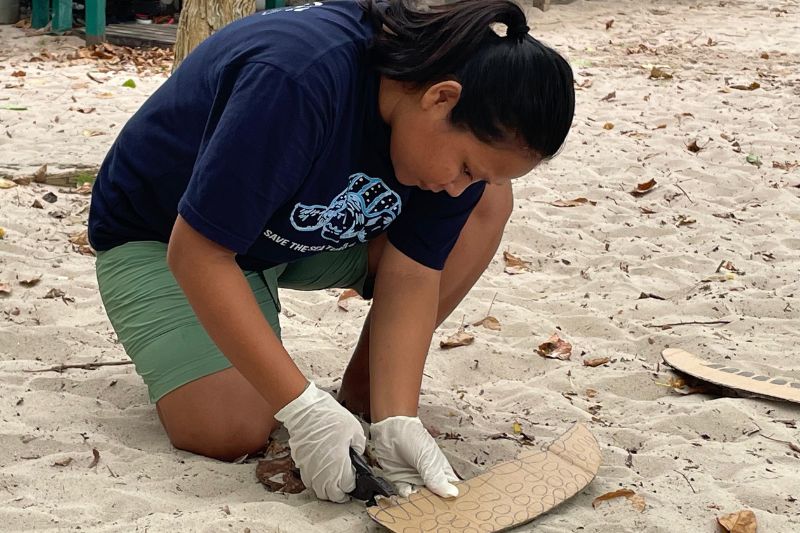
x=719 y=267
x=684 y=192
x=711 y=322
x=791 y=444
x=84 y=366
x=687 y=480
x=489 y=312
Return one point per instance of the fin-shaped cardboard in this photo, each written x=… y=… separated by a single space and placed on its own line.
x=508 y=495
x=733 y=377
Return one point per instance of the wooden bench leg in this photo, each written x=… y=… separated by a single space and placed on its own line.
x=62 y=15
x=95 y=21
x=40 y=13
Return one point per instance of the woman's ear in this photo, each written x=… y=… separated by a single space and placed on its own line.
x=441 y=97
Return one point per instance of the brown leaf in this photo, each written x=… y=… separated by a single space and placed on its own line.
x=786 y=165
x=683 y=220
x=30 y=282
x=610 y=96
x=739 y=522
x=5 y=289
x=280 y=475
x=22 y=180
x=63 y=462
x=40 y=174
x=84 y=249
x=694 y=147
x=764 y=55
x=573 y=203
x=608 y=126
x=37 y=204
x=635 y=499
x=460 y=338
x=85 y=110
x=590 y=393
x=80 y=238
x=489 y=322
x=644 y=188
x=647 y=211
x=752 y=87
x=55 y=293
x=18 y=74
x=657 y=73
x=96 y=458
x=515 y=265
x=555 y=348
x=346 y=295
x=609 y=23
x=597 y=361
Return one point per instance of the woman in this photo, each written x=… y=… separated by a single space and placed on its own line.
x=348 y=143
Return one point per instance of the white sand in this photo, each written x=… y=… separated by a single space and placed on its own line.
x=590 y=265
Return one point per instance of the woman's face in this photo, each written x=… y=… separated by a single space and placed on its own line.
x=428 y=152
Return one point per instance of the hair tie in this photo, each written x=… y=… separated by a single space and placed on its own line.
x=519 y=32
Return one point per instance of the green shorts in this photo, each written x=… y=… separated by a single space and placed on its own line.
x=157 y=326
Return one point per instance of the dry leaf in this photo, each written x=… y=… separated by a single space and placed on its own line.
x=752 y=87
x=764 y=55
x=63 y=462
x=647 y=211
x=555 y=348
x=93 y=133
x=489 y=322
x=81 y=238
x=591 y=393
x=635 y=499
x=517 y=428
x=85 y=110
x=5 y=289
x=85 y=188
x=683 y=220
x=786 y=165
x=609 y=23
x=55 y=293
x=31 y=282
x=2 y=233
x=96 y=458
x=280 y=475
x=18 y=74
x=739 y=522
x=40 y=174
x=346 y=295
x=610 y=96
x=644 y=188
x=6 y=184
x=460 y=338
x=608 y=126
x=515 y=265
x=694 y=147
x=596 y=361
x=84 y=249
x=657 y=73
x=37 y=204
x=573 y=203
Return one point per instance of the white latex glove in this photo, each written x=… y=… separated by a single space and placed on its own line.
x=410 y=457
x=321 y=433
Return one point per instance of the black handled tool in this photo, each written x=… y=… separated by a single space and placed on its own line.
x=368 y=485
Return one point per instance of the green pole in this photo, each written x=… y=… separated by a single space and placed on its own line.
x=40 y=15
x=95 y=21
x=62 y=15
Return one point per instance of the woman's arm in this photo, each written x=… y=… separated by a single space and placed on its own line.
x=403 y=318
x=224 y=303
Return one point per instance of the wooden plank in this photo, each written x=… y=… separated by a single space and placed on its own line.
x=133 y=34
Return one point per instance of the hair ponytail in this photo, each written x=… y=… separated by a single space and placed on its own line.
x=512 y=84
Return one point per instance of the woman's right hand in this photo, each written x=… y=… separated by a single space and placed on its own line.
x=321 y=433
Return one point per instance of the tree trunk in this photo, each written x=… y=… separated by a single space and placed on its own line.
x=201 y=18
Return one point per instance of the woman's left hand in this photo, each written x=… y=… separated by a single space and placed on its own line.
x=410 y=457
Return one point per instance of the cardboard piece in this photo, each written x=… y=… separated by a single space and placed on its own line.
x=777 y=388
x=508 y=495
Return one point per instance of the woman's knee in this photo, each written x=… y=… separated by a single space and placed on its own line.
x=226 y=441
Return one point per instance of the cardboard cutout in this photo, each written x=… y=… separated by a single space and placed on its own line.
x=508 y=495
x=733 y=377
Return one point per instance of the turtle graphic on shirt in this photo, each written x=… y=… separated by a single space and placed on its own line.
x=362 y=211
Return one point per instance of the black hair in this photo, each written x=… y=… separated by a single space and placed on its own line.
x=512 y=85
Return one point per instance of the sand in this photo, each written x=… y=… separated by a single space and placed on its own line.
x=692 y=457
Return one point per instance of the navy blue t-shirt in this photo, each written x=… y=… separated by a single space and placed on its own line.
x=268 y=141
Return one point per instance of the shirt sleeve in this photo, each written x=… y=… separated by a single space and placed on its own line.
x=430 y=223
x=258 y=146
